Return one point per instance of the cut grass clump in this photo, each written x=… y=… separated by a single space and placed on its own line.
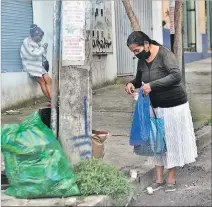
x=95 y=177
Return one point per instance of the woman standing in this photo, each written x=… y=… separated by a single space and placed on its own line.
x=159 y=71
x=34 y=61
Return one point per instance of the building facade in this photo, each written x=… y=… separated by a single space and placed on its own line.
x=197 y=28
x=17 y=16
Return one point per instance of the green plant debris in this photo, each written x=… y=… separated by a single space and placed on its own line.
x=117 y=82
x=94 y=177
x=210 y=120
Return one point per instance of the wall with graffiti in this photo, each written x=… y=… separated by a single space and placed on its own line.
x=102 y=27
x=100 y=22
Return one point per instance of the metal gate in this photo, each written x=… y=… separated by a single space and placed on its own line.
x=190 y=26
x=126 y=62
x=16 y=18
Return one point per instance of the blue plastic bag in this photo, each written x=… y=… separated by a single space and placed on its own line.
x=157 y=136
x=140 y=130
x=147 y=133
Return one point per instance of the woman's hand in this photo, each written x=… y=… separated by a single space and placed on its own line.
x=146 y=89
x=45 y=45
x=130 y=88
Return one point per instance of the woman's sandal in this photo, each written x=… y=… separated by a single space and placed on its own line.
x=170 y=188
x=157 y=186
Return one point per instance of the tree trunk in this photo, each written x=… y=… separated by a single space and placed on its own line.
x=131 y=15
x=178 y=50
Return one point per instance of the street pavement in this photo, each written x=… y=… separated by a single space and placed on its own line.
x=193 y=186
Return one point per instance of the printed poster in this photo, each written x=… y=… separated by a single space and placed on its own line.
x=73 y=33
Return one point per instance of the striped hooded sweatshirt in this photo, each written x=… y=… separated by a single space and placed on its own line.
x=32 y=57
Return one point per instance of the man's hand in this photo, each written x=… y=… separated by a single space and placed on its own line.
x=130 y=88
x=146 y=89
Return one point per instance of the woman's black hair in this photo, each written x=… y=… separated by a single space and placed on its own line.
x=138 y=38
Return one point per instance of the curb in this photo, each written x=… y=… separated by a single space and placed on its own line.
x=143 y=179
x=203 y=137
x=100 y=200
x=96 y=201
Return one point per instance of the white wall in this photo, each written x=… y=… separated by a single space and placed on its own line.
x=157 y=21
x=16 y=88
x=43 y=17
x=198 y=32
x=105 y=68
x=19 y=87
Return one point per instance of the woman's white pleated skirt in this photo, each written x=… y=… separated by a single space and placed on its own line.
x=179 y=137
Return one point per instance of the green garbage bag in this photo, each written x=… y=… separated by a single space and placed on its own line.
x=35 y=163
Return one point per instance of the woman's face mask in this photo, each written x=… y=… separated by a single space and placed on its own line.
x=143 y=55
x=141 y=52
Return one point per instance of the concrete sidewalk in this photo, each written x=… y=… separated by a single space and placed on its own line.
x=113 y=111
x=198 y=85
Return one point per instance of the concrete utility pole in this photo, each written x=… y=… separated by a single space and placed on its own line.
x=75 y=85
x=55 y=66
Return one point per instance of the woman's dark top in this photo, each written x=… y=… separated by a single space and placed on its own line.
x=164 y=76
